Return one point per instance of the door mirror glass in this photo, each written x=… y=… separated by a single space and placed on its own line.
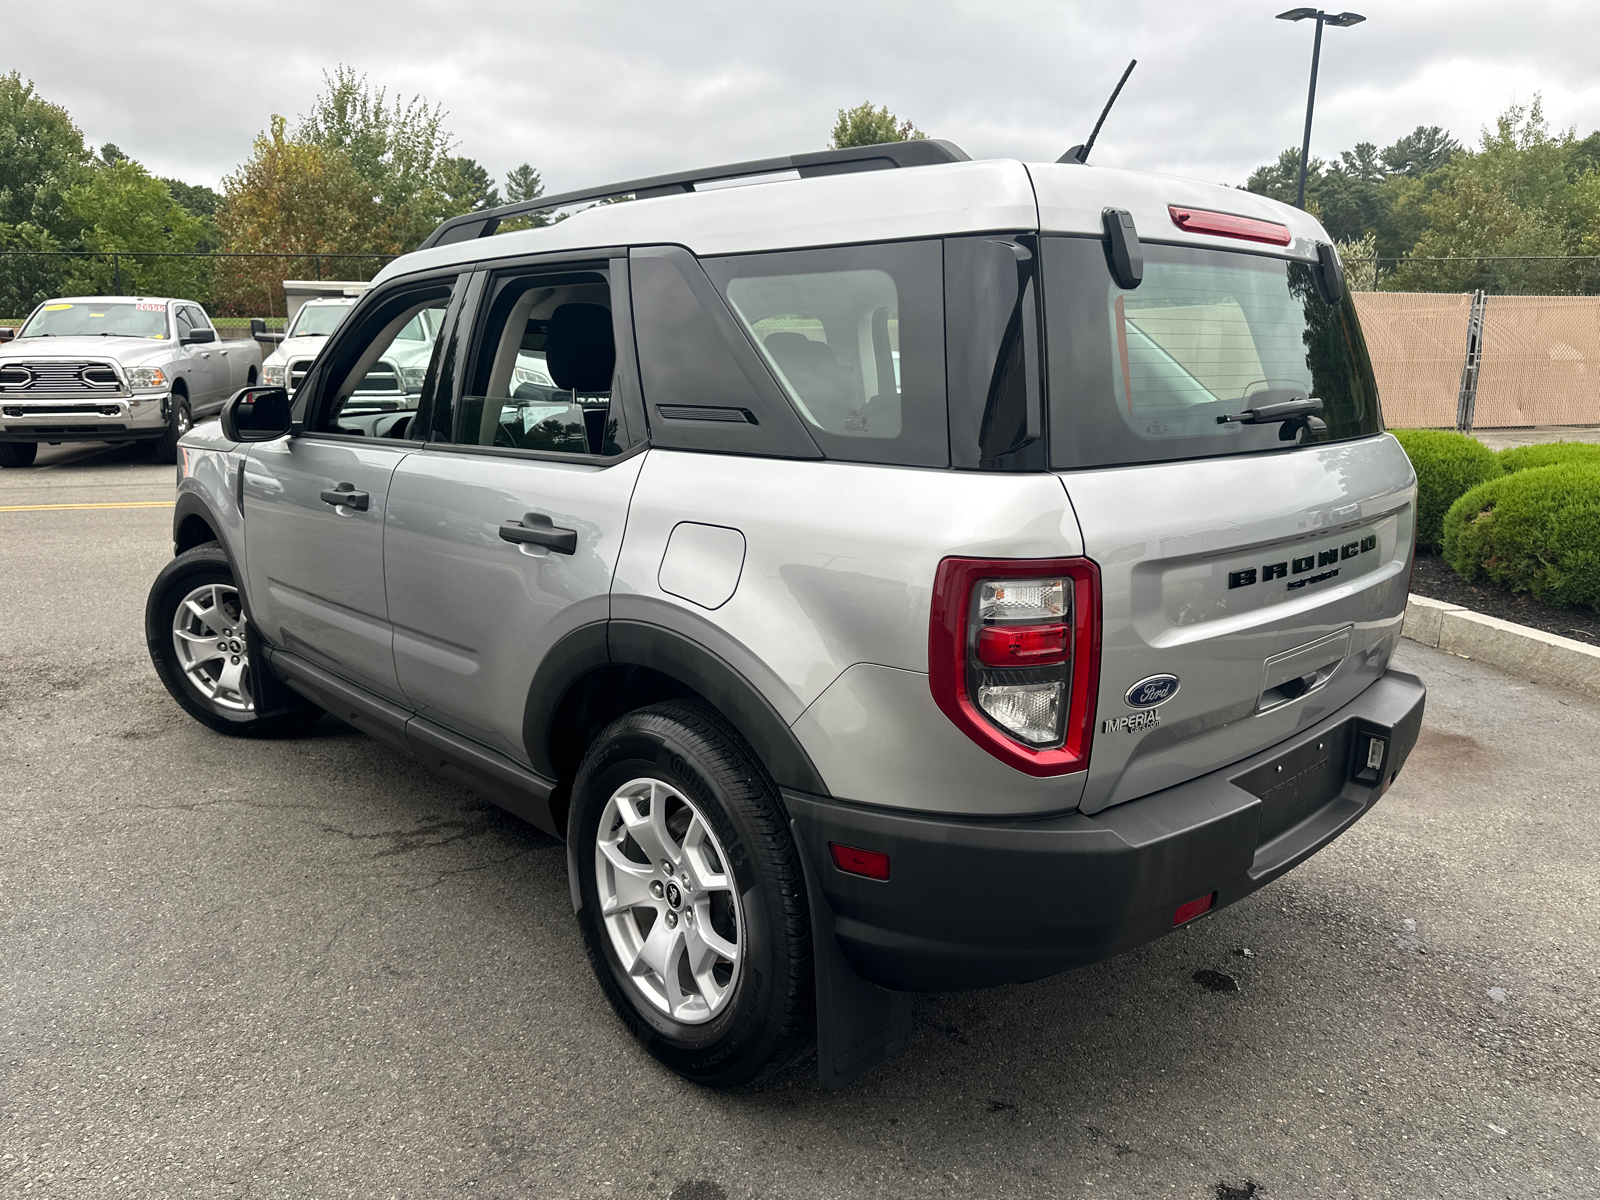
x=257 y=414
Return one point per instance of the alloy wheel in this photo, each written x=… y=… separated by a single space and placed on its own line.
x=208 y=633
x=669 y=903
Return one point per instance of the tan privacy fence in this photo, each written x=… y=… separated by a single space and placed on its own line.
x=1470 y=361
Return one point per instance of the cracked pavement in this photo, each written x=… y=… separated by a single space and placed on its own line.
x=307 y=968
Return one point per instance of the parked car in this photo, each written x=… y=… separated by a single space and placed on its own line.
x=115 y=369
x=909 y=579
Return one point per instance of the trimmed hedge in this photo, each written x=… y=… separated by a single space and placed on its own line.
x=1533 y=531
x=1447 y=464
x=1524 y=458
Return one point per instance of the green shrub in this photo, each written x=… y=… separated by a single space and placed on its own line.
x=1524 y=458
x=1533 y=531
x=1447 y=464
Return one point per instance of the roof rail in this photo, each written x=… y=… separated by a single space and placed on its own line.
x=921 y=153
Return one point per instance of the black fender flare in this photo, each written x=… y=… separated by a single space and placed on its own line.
x=193 y=504
x=641 y=644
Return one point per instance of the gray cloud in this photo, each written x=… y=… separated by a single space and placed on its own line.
x=595 y=91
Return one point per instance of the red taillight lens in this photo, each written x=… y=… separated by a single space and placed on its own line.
x=869 y=863
x=1200 y=220
x=1023 y=645
x=1014 y=657
x=1191 y=910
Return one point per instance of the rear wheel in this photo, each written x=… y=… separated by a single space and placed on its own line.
x=178 y=423
x=18 y=454
x=199 y=639
x=692 y=898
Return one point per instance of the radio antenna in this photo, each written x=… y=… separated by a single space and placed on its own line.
x=1080 y=154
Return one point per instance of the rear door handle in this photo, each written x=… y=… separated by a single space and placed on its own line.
x=346 y=494
x=536 y=529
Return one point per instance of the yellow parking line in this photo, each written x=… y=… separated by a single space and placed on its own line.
x=119 y=504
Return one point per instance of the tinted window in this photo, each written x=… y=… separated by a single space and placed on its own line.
x=542 y=374
x=1143 y=375
x=856 y=337
x=992 y=351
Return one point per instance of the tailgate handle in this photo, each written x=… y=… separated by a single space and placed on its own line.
x=1303 y=670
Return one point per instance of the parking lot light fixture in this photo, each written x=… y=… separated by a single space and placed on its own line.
x=1343 y=20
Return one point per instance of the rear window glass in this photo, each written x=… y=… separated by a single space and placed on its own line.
x=855 y=337
x=1143 y=375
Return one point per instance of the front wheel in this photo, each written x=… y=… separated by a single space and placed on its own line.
x=18 y=454
x=199 y=638
x=178 y=424
x=693 y=902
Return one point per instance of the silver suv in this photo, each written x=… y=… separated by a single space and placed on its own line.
x=900 y=573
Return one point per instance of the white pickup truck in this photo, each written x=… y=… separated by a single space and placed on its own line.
x=115 y=369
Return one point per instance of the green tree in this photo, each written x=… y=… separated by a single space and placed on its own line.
x=123 y=208
x=523 y=183
x=1426 y=148
x=468 y=186
x=294 y=199
x=399 y=149
x=864 y=125
x=196 y=197
x=28 y=278
x=42 y=156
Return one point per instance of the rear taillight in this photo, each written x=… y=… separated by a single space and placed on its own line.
x=1200 y=220
x=1014 y=657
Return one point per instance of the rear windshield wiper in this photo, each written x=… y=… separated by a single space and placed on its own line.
x=1295 y=414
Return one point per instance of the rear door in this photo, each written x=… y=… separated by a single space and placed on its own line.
x=503 y=532
x=314 y=502
x=1253 y=575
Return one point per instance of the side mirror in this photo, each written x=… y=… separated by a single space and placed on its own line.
x=197 y=337
x=256 y=414
x=8 y=333
x=258 y=331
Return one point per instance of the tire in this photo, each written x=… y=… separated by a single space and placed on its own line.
x=677 y=780
x=195 y=603
x=178 y=423
x=18 y=454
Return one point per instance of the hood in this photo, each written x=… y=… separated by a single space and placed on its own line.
x=300 y=347
x=130 y=351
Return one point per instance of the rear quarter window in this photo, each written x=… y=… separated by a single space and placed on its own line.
x=854 y=335
x=1143 y=374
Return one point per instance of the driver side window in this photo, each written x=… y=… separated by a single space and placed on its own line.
x=375 y=379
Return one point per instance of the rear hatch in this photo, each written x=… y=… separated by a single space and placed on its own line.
x=1253 y=576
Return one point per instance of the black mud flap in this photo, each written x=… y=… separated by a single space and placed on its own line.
x=859 y=1024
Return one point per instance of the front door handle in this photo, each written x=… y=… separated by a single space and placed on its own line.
x=346 y=494
x=536 y=529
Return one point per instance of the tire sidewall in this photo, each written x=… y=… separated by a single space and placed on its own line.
x=660 y=750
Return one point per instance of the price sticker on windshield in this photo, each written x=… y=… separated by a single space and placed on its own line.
x=151 y=307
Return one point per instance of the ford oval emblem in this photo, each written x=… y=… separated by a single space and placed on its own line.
x=1148 y=693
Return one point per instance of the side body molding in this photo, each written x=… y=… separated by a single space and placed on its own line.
x=641 y=644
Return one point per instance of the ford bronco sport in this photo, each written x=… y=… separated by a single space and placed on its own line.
x=900 y=573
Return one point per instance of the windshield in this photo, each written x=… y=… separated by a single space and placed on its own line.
x=1143 y=375
x=92 y=319
x=318 y=320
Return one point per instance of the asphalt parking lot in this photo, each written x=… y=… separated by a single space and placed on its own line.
x=307 y=968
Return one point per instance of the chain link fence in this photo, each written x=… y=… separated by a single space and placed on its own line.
x=228 y=285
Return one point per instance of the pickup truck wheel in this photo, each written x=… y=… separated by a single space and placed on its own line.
x=18 y=454
x=199 y=639
x=693 y=905
x=178 y=424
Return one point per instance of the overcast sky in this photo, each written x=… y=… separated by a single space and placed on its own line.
x=613 y=89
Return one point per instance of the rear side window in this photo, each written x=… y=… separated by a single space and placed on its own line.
x=1142 y=375
x=855 y=336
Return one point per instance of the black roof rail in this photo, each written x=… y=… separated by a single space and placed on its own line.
x=921 y=153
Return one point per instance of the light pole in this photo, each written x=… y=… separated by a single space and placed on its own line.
x=1308 y=14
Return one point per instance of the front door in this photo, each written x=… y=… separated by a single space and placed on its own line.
x=314 y=503
x=202 y=370
x=503 y=532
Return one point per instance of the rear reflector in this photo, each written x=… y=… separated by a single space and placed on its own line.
x=1191 y=910
x=1200 y=220
x=1022 y=645
x=851 y=861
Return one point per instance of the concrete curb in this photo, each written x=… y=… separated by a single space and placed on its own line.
x=1532 y=654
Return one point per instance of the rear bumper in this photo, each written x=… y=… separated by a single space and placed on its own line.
x=977 y=903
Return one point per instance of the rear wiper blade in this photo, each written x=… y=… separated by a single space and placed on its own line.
x=1295 y=415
